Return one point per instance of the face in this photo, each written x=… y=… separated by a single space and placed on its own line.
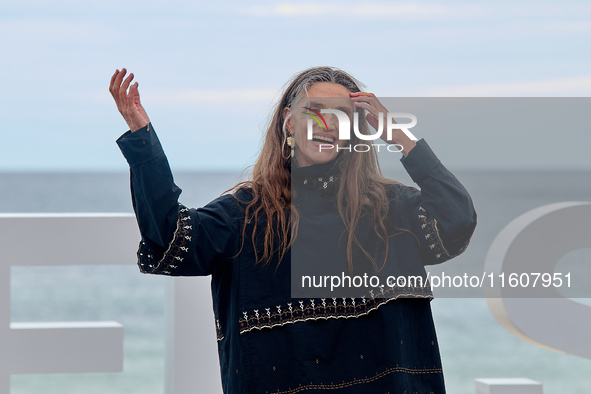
x=325 y=144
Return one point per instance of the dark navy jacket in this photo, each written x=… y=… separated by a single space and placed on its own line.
x=271 y=343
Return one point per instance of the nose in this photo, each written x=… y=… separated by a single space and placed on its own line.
x=332 y=121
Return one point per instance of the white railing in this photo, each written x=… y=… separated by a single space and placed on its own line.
x=68 y=239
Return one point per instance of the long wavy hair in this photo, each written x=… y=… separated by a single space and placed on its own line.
x=362 y=185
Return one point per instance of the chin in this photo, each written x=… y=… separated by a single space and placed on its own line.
x=313 y=158
x=321 y=158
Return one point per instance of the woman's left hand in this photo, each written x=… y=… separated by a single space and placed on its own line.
x=369 y=102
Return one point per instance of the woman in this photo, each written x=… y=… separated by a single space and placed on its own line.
x=331 y=207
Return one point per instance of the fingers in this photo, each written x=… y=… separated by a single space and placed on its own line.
x=119 y=90
x=115 y=87
x=116 y=81
x=136 y=114
x=367 y=101
x=112 y=82
x=136 y=100
x=132 y=97
x=126 y=99
x=371 y=118
x=357 y=94
x=361 y=97
x=366 y=107
x=134 y=92
x=370 y=103
x=124 y=86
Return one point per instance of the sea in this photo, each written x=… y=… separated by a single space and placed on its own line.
x=473 y=344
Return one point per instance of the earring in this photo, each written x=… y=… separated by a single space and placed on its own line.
x=291 y=144
x=289 y=139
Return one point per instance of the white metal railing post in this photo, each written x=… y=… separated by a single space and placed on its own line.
x=101 y=239
x=192 y=363
x=508 y=386
x=4 y=326
x=60 y=239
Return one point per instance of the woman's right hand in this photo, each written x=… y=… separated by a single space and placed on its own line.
x=128 y=103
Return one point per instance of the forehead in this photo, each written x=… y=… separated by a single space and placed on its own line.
x=328 y=89
x=327 y=95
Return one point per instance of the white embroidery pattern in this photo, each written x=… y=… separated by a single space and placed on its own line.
x=175 y=254
x=320 y=182
x=218 y=330
x=431 y=234
x=323 y=309
x=357 y=381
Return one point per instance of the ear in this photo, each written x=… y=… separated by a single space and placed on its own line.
x=286 y=115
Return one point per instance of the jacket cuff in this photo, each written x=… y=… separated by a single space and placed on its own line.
x=141 y=146
x=420 y=161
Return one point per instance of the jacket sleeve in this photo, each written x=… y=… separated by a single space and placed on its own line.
x=442 y=213
x=176 y=240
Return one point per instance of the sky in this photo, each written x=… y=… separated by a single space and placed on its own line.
x=209 y=74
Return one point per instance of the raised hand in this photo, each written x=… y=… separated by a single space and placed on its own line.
x=128 y=103
x=369 y=102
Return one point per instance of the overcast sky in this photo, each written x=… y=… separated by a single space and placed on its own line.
x=209 y=74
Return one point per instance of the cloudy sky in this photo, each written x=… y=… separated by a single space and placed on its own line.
x=209 y=74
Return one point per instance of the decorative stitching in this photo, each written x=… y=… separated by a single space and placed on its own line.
x=336 y=386
x=450 y=255
x=174 y=255
x=218 y=330
x=324 y=308
x=431 y=233
x=321 y=182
